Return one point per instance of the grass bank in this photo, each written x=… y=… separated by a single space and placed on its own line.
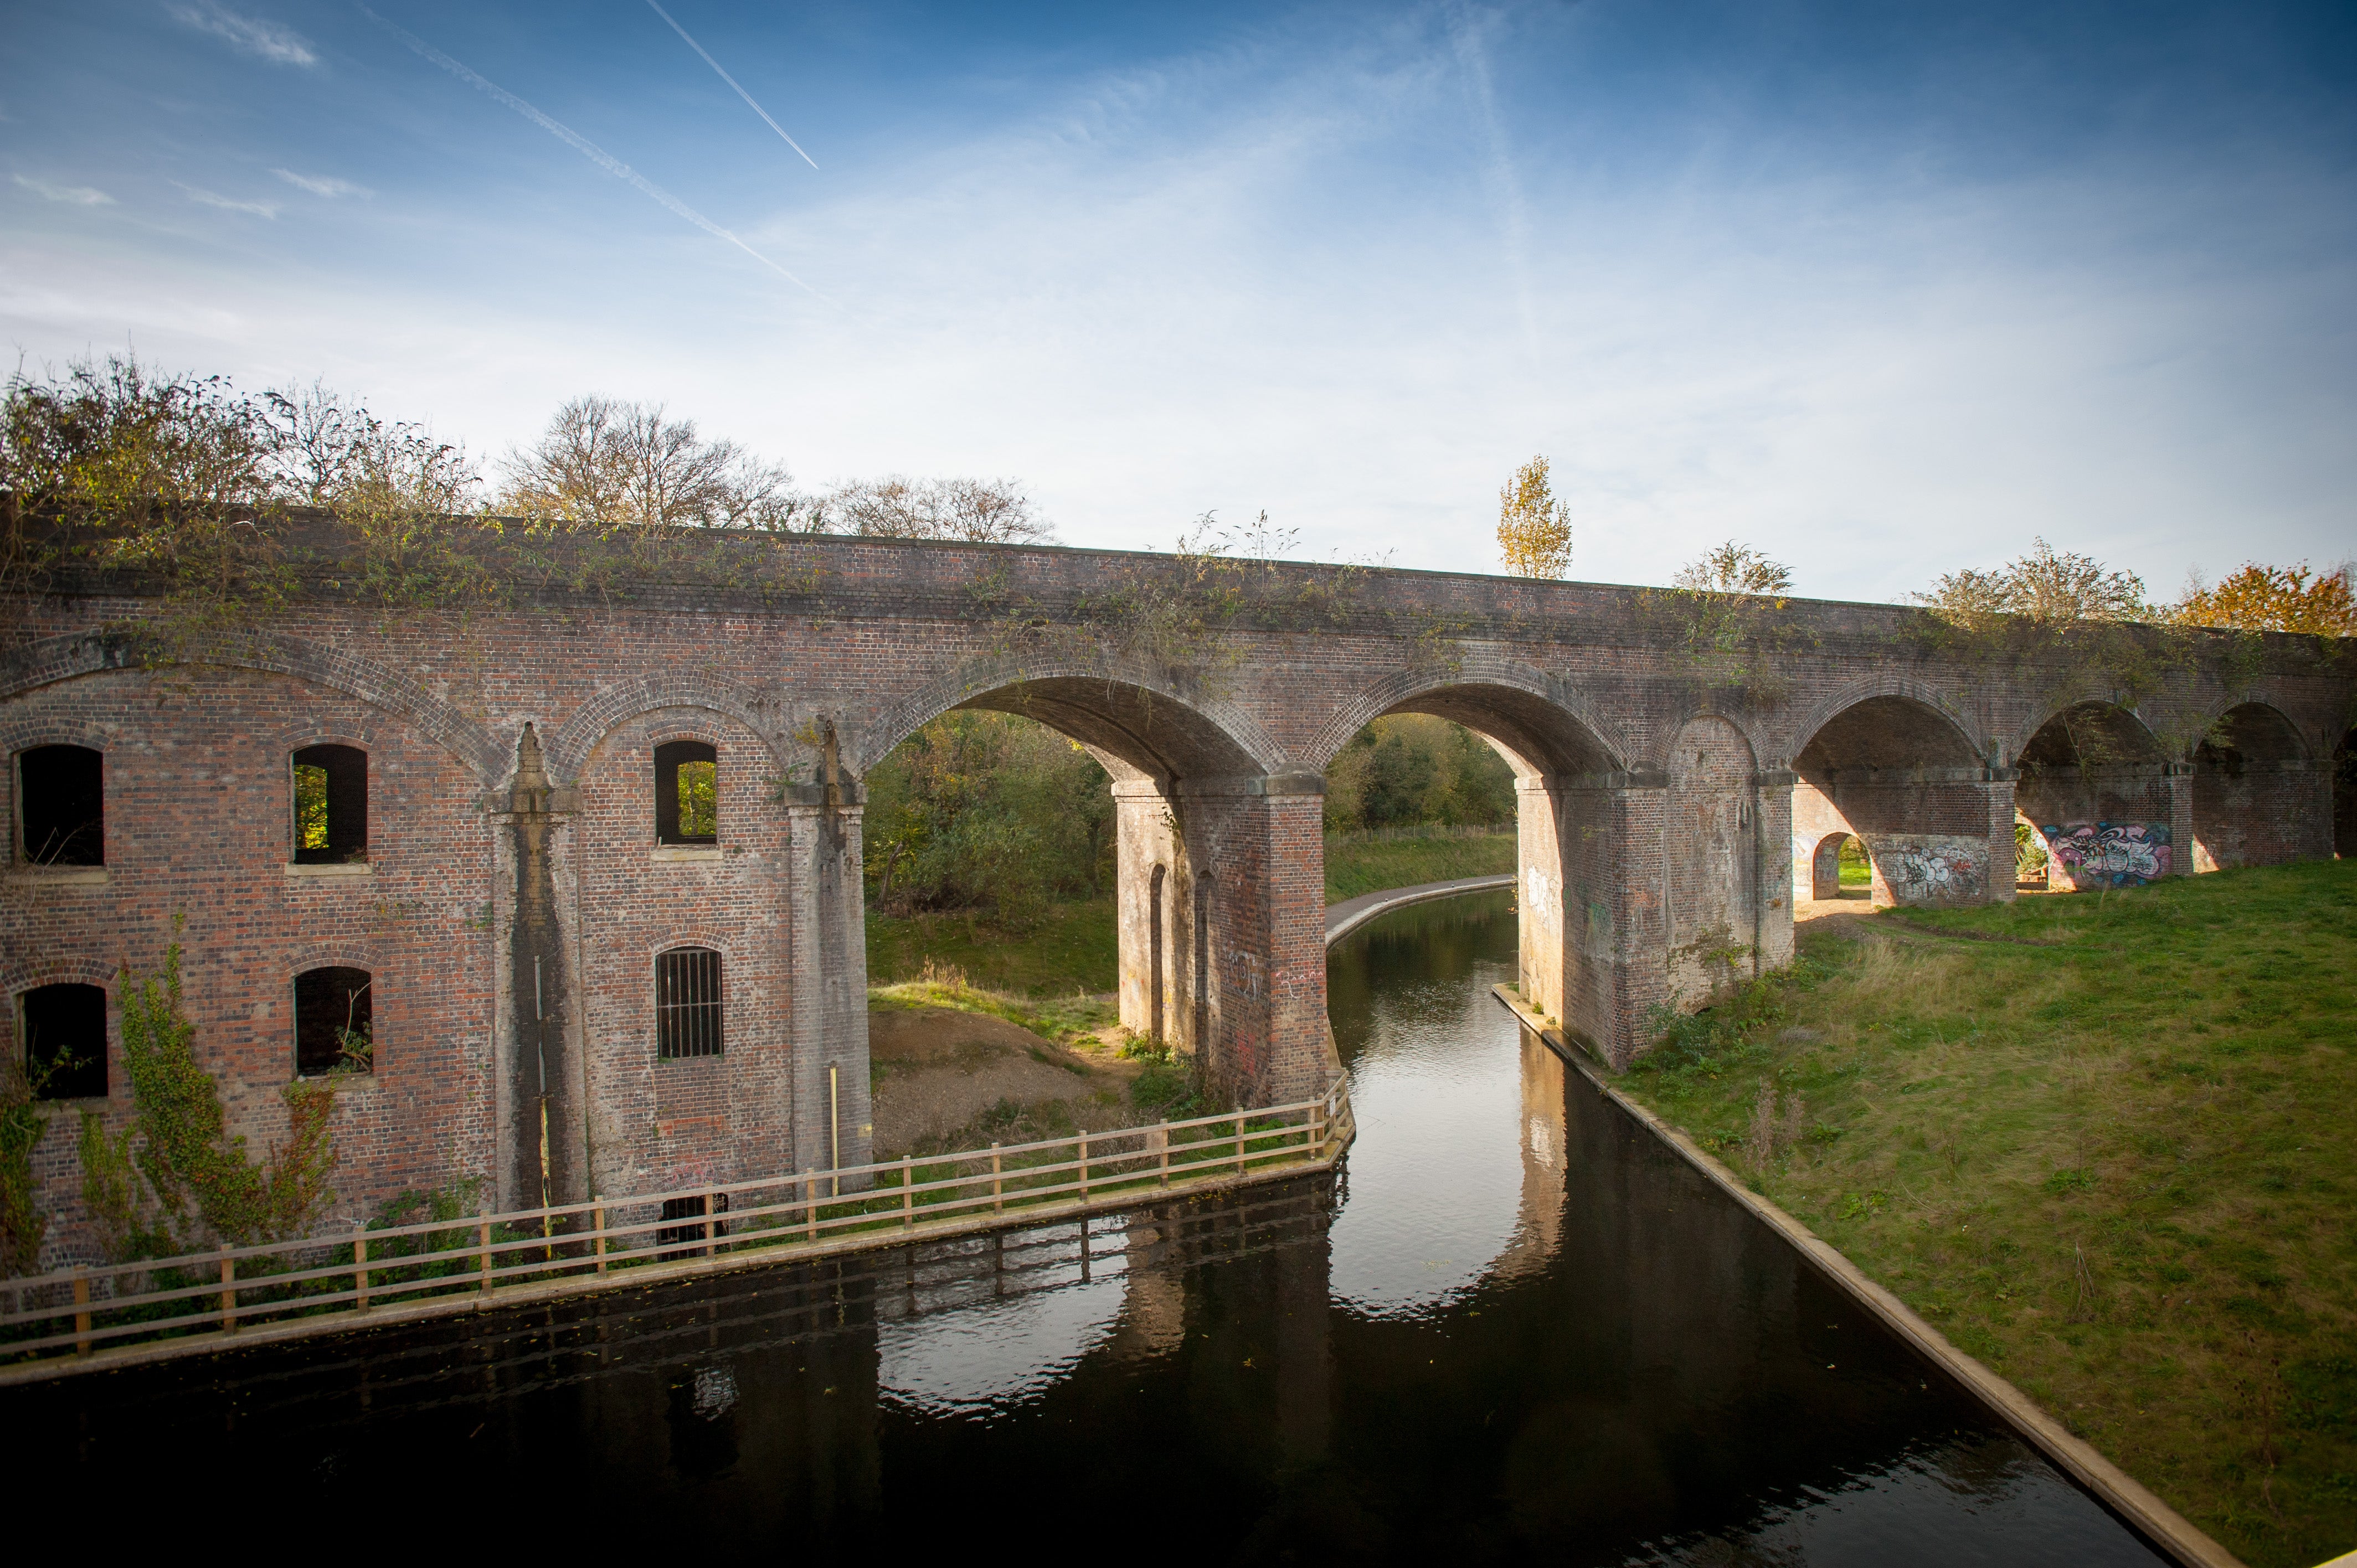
x=1072 y=948
x=2103 y=1142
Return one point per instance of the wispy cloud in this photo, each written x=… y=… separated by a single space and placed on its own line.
x=731 y=81
x=71 y=195
x=321 y=185
x=585 y=148
x=247 y=35
x=228 y=204
x=1504 y=184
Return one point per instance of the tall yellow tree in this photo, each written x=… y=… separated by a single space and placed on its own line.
x=1533 y=528
x=2275 y=599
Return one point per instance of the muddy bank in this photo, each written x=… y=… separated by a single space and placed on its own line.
x=948 y=1079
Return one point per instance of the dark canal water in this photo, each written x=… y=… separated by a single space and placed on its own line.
x=1513 y=1328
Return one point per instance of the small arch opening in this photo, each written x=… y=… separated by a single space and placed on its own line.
x=335 y=1021
x=63 y=1028
x=330 y=804
x=60 y=806
x=687 y=794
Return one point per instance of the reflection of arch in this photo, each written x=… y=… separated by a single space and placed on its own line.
x=572 y=745
x=1540 y=726
x=56 y=659
x=1129 y=713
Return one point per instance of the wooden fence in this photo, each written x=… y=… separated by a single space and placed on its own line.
x=338 y=1280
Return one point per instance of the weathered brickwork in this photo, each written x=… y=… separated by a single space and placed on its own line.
x=515 y=901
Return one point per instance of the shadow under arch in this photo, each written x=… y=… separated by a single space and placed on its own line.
x=1539 y=728
x=2098 y=789
x=1905 y=777
x=2261 y=796
x=66 y=658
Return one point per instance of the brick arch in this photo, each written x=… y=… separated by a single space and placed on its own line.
x=1932 y=700
x=60 y=968
x=1745 y=725
x=570 y=747
x=2214 y=713
x=55 y=659
x=1136 y=715
x=1548 y=727
x=2134 y=740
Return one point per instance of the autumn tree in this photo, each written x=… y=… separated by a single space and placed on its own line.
x=1533 y=528
x=611 y=464
x=2274 y=598
x=2047 y=586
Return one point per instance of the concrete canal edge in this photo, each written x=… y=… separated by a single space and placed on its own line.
x=1348 y=916
x=2161 y=1524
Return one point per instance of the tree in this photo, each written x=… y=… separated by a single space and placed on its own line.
x=1732 y=568
x=1533 y=528
x=2274 y=598
x=620 y=465
x=982 y=511
x=2046 y=585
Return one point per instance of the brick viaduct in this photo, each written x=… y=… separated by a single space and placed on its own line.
x=513 y=899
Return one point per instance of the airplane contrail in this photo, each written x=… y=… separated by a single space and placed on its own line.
x=583 y=145
x=731 y=81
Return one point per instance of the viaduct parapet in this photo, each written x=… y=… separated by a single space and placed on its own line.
x=583 y=853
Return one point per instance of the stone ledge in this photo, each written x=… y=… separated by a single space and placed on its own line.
x=58 y=876
x=330 y=872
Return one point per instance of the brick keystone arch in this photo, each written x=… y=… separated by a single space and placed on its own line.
x=66 y=658
x=570 y=746
x=1543 y=720
x=2128 y=725
x=1136 y=715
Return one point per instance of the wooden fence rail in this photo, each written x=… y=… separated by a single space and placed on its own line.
x=80 y=1310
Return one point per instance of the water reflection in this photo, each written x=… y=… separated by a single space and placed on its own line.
x=1513 y=1325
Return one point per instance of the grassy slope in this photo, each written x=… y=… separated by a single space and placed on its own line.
x=2119 y=1166
x=1369 y=868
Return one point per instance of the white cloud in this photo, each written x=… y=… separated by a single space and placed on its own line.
x=71 y=195
x=229 y=204
x=321 y=185
x=248 y=35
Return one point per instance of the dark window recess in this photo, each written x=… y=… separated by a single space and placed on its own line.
x=691 y=1209
x=687 y=794
x=334 y=1021
x=65 y=1041
x=330 y=805
x=61 y=806
x=687 y=1002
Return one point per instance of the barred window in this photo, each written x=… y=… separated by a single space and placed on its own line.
x=687 y=1002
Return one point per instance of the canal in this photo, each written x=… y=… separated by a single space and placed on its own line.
x=1511 y=1324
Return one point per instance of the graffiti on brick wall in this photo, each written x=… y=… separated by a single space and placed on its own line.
x=1932 y=868
x=2113 y=854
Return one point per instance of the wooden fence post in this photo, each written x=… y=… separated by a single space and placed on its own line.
x=711 y=1224
x=81 y=1314
x=483 y=1249
x=810 y=1200
x=1240 y=1143
x=229 y=1291
x=599 y=1214
x=908 y=1192
x=997 y=1184
x=1162 y=1147
x=1084 y=1166
x=359 y=1269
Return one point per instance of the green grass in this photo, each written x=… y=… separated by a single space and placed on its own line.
x=2102 y=1141
x=1072 y=1016
x=1072 y=949
x=1370 y=865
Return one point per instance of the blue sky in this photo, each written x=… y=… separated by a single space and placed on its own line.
x=1883 y=289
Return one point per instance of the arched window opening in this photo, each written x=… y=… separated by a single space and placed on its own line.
x=335 y=1021
x=2033 y=868
x=64 y=1031
x=330 y=805
x=687 y=794
x=60 y=806
x=1840 y=868
x=687 y=1004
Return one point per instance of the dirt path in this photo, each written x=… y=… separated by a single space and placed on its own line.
x=946 y=1078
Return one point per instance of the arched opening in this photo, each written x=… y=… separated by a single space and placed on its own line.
x=2258 y=799
x=335 y=1021
x=1903 y=778
x=1838 y=870
x=2099 y=799
x=1581 y=915
x=331 y=799
x=1047 y=853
